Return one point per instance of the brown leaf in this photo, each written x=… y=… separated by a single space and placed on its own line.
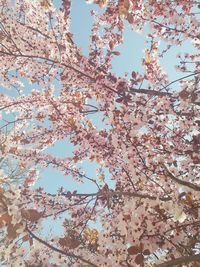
x=2 y=148
x=12 y=230
x=69 y=242
x=184 y=94
x=133 y=74
x=26 y=238
x=111 y=45
x=119 y=100
x=5 y=219
x=146 y=252
x=134 y=250
x=127 y=217
x=31 y=241
x=130 y=18
x=116 y=53
x=45 y=4
x=148 y=57
x=139 y=259
x=101 y=3
x=31 y=215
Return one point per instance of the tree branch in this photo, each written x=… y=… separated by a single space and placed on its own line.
x=181 y=260
x=59 y=250
x=111 y=193
x=133 y=90
x=179 y=181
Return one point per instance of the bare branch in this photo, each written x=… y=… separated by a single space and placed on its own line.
x=181 y=260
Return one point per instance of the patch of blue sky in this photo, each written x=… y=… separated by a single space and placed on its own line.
x=131 y=52
x=81 y=23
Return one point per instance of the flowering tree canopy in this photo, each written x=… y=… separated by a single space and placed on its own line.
x=147 y=212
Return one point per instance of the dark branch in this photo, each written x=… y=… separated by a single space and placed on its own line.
x=179 y=181
x=181 y=260
x=68 y=254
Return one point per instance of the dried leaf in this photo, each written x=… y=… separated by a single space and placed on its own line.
x=116 y=53
x=91 y=235
x=139 y=259
x=26 y=238
x=12 y=230
x=101 y=178
x=148 y=57
x=130 y=18
x=31 y=215
x=119 y=100
x=46 y=4
x=146 y=252
x=5 y=219
x=184 y=94
x=111 y=45
x=123 y=7
x=69 y=242
x=133 y=74
x=102 y=3
x=133 y=250
x=127 y=217
x=189 y=197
